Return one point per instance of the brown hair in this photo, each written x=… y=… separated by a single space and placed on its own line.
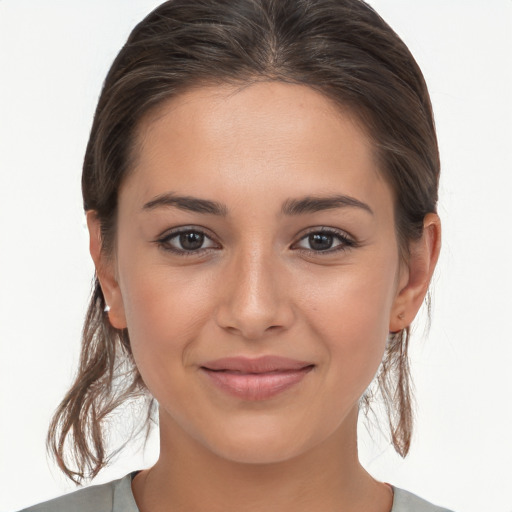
x=341 y=48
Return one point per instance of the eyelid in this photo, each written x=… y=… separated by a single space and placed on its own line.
x=347 y=241
x=163 y=241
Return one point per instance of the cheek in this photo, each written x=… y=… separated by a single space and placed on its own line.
x=350 y=314
x=164 y=310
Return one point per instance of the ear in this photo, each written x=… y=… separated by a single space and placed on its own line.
x=105 y=270
x=416 y=275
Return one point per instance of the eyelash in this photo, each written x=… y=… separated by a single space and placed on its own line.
x=346 y=242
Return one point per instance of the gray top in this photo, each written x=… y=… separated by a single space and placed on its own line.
x=117 y=496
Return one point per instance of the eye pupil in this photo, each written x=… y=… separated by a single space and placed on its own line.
x=320 y=241
x=191 y=240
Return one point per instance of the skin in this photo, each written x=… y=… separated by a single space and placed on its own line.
x=259 y=287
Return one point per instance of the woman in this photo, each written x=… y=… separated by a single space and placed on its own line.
x=260 y=186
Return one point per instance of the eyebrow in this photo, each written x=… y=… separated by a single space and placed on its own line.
x=193 y=204
x=311 y=204
x=300 y=206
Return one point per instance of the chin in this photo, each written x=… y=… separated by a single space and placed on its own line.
x=263 y=443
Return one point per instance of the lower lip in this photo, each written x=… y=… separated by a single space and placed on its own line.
x=256 y=386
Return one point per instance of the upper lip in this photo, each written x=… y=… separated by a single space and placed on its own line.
x=264 y=364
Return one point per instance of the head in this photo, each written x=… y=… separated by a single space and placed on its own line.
x=332 y=66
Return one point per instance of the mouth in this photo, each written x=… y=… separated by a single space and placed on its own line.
x=256 y=379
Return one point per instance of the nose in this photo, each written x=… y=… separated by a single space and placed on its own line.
x=253 y=298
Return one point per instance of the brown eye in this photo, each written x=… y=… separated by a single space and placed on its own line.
x=191 y=241
x=186 y=242
x=326 y=240
x=320 y=241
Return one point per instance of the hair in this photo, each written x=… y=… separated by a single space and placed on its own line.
x=342 y=49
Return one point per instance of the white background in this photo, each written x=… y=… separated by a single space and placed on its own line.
x=53 y=58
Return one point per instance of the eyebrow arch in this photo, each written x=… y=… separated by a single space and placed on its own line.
x=311 y=204
x=307 y=204
x=193 y=204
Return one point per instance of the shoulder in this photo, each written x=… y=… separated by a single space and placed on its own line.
x=405 y=501
x=115 y=496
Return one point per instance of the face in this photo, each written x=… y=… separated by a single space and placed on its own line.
x=256 y=269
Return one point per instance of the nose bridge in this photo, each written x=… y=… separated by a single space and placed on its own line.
x=253 y=300
x=256 y=286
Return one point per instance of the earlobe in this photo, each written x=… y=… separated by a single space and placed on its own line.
x=413 y=287
x=105 y=270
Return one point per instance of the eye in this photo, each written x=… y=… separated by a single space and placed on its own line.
x=325 y=240
x=186 y=242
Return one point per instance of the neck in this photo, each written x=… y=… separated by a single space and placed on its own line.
x=188 y=477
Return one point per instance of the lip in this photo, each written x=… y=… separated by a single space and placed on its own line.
x=256 y=379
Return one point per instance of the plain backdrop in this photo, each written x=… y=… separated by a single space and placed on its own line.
x=53 y=58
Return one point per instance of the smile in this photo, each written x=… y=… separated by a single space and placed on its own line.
x=256 y=379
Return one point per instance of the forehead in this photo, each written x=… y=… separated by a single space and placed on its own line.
x=264 y=109
x=284 y=136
